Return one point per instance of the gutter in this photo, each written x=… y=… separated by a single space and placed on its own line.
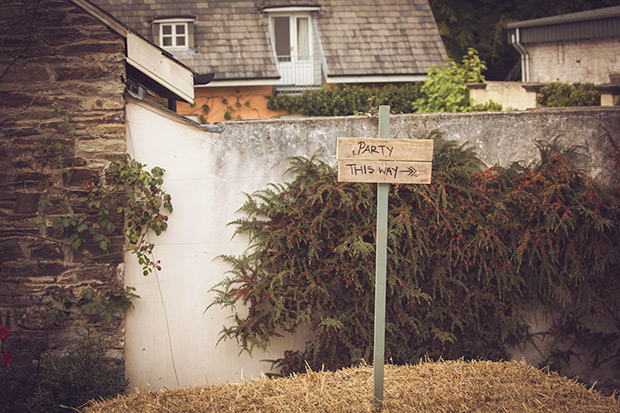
x=525 y=55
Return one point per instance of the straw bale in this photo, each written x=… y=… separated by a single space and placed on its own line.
x=446 y=386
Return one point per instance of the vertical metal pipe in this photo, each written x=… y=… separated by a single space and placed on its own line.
x=381 y=269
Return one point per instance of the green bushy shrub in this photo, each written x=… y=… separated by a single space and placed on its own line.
x=344 y=100
x=82 y=374
x=445 y=90
x=560 y=94
x=467 y=256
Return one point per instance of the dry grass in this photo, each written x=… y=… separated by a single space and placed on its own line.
x=450 y=386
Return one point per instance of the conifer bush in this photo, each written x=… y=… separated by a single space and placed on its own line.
x=467 y=256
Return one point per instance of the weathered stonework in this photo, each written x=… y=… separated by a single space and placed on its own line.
x=54 y=53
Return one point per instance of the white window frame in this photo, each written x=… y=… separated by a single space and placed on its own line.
x=173 y=36
x=293 y=15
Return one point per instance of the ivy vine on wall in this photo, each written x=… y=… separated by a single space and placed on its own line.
x=127 y=200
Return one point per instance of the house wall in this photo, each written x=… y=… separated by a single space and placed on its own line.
x=171 y=341
x=247 y=102
x=575 y=61
x=511 y=95
x=54 y=53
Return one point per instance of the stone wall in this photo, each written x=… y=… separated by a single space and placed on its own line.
x=51 y=51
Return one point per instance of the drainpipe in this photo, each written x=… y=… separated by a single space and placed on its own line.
x=525 y=55
x=217 y=127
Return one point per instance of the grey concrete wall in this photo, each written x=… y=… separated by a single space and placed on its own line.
x=498 y=137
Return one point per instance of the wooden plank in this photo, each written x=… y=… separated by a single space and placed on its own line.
x=385 y=149
x=392 y=172
x=150 y=60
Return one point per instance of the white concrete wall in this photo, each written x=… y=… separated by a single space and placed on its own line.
x=511 y=95
x=170 y=341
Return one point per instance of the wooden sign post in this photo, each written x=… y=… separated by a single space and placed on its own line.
x=384 y=161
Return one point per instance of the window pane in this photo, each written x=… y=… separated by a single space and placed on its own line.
x=282 y=35
x=166 y=29
x=180 y=29
x=167 y=41
x=180 y=41
x=303 y=43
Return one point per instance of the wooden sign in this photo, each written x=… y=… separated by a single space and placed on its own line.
x=391 y=161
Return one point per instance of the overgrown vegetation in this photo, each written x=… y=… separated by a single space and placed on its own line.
x=480 y=24
x=61 y=383
x=127 y=200
x=468 y=256
x=348 y=100
x=561 y=94
x=444 y=91
x=446 y=87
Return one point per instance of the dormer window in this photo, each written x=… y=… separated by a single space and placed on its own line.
x=295 y=43
x=174 y=34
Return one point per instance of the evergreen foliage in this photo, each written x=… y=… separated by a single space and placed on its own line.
x=560 y=94
x=445 y=90
x=468 y=256
x=348 y=100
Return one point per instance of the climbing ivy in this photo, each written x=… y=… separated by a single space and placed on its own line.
x=126 y=199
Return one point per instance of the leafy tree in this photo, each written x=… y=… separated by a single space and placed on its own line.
x=445 y=90
x=479 y=24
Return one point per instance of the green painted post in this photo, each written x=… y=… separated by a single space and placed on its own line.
x=381 y=268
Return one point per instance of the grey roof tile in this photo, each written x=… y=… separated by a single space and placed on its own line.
x=359 y=37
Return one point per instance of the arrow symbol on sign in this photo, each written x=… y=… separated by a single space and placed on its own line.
x=411 y=171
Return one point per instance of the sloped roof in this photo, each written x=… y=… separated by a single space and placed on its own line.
x=370 y=37
x=590 y=24
x=169 y=77
x=359 y=37
x=587 y=15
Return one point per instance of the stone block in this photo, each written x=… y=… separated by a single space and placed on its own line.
x=80 y=175
x=80 y=73
x=61 y=35
x=101 y=148
x=44 y=250
x=10 y=250
x=14 y=99
x=20 y=132
x=27 y=202
x=92 y=48
x=91 y=248
x=112 y=127
x=32 y=268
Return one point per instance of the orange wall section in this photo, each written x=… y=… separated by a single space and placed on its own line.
x=249 y=102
